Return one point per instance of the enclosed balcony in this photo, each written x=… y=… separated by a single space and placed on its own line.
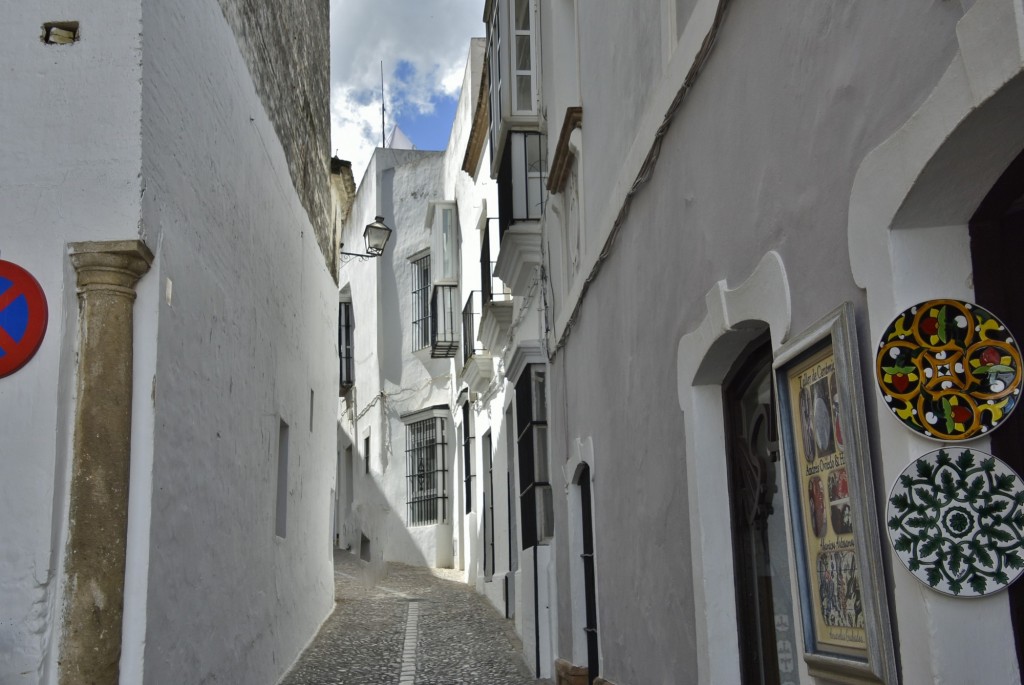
x=477 y=363
x=444 y=321
x=522 y=180
x=471 y=326
x=495 y=296
x=514 y=77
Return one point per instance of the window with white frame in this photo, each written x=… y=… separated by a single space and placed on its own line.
x=524 y=94
x=494 y=61
x=512 y=63
x=421 y=302
x=444 y=255
x=529 y=173
x=426 y=471
x=444 y=234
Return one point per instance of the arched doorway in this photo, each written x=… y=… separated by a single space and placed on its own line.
x=764 y=605
x=912 y=206
x=997 y=242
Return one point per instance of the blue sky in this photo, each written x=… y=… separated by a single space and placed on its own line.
x=429 y=128
x=423 y=45
x=430 y=131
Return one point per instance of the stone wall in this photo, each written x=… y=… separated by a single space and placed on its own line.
x=286 y=45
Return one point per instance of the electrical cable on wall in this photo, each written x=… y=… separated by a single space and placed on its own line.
x=386 y=399
x=647 y=168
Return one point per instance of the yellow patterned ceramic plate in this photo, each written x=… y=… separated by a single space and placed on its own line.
x=948 y=370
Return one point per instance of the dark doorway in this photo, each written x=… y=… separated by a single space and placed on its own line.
x=760 y=561
x=589 y=586
x=997 y=243
x=488 y=508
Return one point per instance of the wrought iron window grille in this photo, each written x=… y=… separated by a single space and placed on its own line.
x=421 y=302
x=426 y=471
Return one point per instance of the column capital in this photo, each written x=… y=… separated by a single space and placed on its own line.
x=109 y=264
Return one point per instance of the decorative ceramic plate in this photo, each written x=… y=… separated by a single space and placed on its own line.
x=949 y=370
x=956 y=521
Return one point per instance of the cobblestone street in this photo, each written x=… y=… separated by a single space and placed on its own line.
x=415 y=627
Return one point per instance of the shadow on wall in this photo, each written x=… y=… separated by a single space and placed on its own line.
x=372 y=517
x=390 y=338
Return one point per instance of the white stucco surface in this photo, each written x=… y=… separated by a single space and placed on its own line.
x=759 y=157
x=908 y=240
x=64 y=178
x=115 y=138
x=247 y=339
x=391 y=378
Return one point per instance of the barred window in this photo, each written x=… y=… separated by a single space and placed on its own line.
x=426 y=472
x=345 y=326
x=421 y=303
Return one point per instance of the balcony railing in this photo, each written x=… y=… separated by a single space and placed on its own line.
x=493 y=289
x=444 y=326
x=471 y=326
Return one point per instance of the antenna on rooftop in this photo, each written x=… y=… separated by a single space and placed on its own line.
x=383 y=140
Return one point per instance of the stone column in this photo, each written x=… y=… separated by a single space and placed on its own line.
x=98 y=518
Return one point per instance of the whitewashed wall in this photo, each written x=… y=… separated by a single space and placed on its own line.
x=247 y=338
x=105 y=141
x=761 y=156
x=398 y=185
x=70 y=172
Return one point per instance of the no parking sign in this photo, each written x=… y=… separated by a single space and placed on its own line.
x=23 y=317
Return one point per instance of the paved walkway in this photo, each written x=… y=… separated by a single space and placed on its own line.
x=416 y=627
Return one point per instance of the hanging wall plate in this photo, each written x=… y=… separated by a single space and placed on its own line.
x=949 y=370
x=956 y=521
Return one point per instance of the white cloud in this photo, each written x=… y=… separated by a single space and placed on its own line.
x=423 y=44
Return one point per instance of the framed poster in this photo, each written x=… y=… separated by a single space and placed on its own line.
x=832 y=510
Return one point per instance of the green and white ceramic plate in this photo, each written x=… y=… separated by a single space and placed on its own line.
x=956 y=521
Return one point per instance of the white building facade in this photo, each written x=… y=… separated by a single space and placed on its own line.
x=168 y=453
x=422 y=330
x=692 y=196
x=696 y=203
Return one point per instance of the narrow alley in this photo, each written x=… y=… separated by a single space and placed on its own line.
x=416 y=626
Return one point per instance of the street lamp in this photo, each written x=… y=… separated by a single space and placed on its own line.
x=376 y=236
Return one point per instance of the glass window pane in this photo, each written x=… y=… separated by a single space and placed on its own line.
x=545 y=513
x=535 y=154
x=421 y=302
x=523 y=53
x=522 y=15
x=524 y=93
x=540 y=454
x=534 y=206
x=540 y=408
x=448 y=246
